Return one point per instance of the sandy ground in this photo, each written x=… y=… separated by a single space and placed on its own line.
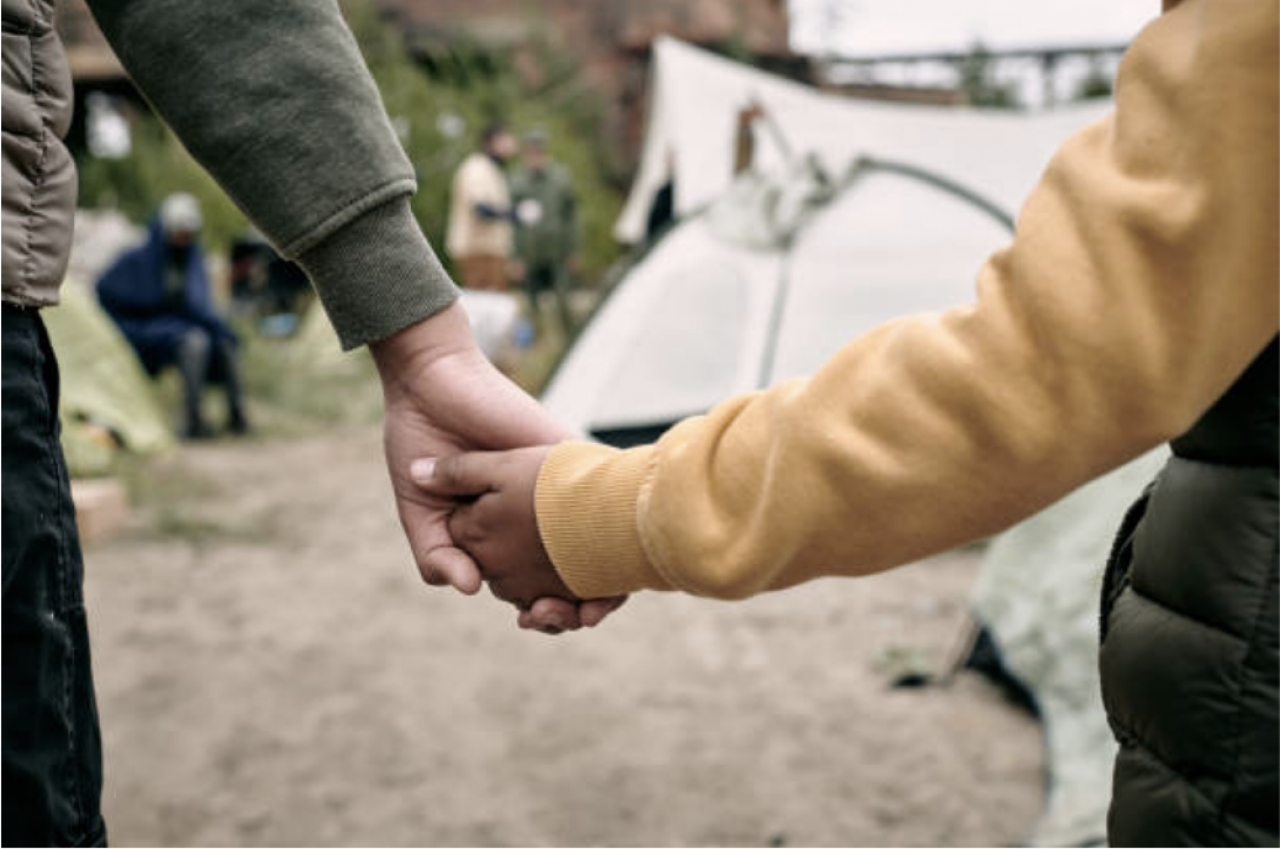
x=271 y=671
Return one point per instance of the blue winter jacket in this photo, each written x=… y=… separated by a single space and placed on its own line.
x=132 y=292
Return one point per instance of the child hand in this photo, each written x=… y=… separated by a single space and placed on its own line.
x=495 y=521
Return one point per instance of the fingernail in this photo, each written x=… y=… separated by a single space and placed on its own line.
x=556 y=622
x=421 y=470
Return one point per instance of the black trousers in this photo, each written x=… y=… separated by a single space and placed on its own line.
x=52 y=748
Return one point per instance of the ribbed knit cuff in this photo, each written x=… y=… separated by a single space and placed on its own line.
x=378 y=275
x=586 y=505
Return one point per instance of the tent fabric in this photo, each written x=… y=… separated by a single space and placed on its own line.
x=711 y=312
x=695 y=96
x=683 y=331
x=103 y=385
x=888 y=246
x=770 y=271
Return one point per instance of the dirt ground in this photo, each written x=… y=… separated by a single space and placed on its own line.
x=271 y=671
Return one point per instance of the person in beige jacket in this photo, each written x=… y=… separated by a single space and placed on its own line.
x=481 y=233
x=1141 y=287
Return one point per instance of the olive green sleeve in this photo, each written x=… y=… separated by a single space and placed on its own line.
x=275 y=101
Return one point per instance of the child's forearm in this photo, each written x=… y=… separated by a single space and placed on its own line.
x=1142 y=281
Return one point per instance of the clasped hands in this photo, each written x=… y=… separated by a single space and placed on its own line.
x=468 y=516
x=494 y=523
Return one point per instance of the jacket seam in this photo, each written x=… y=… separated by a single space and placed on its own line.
x=1237 y=718
x=1126 y=736
x=1128 y=739
x=1194 y=621
x=38 y=178
x=1116 y=575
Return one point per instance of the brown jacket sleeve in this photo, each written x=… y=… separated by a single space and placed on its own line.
x=1142 y=281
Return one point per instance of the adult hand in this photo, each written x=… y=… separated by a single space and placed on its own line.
x=443 y=397
x=497 y=522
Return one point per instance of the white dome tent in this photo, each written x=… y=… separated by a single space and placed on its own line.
x=853 y=213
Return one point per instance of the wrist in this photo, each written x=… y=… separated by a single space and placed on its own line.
x=586 y=500
x=376 y=274
x=405 y=356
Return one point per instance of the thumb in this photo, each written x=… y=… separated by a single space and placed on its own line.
x=439 y=561
x=446 y=566
x=458 y=475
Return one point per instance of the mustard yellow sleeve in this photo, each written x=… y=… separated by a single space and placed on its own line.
x=1142 y=281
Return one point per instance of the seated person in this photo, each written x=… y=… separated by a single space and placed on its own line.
x=265 y=284
x=158 y=295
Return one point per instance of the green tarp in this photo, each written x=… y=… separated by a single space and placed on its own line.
x=107 y=400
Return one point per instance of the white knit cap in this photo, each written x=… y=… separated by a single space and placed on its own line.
x=180 y=213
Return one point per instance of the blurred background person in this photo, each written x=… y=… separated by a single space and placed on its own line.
x=480 y=235
x=158 y=294
x=546 y=225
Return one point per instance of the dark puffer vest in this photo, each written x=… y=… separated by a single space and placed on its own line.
x=1190 y=660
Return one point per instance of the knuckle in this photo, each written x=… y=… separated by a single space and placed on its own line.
x=471 y=534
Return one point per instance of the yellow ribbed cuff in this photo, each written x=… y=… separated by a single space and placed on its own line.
x=586 y=504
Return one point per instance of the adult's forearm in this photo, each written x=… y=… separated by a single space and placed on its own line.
x=275 y=101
